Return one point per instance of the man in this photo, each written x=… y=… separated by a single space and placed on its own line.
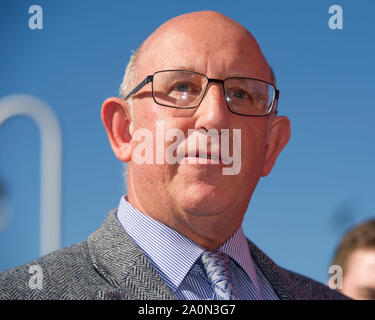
x=356 y=256
x=177 y=234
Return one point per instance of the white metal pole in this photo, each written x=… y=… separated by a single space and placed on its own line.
x=50 y=163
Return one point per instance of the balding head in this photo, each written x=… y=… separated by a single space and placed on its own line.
x=204 y=30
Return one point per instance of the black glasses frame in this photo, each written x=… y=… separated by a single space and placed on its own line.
x=150 y=78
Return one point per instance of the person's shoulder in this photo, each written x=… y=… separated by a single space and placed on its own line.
x=307 y=288
x=288 y=284
x=60 y=274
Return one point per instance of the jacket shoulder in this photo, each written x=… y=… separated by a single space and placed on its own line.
x=307 y=288
x=63 y=274
x=289 y=285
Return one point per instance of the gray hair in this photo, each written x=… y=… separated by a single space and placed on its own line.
x=128 y=80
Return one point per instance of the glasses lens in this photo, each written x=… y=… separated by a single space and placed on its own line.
x=181 y=89
x=249 y=96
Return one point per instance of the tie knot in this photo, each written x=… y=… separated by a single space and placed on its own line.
x=217 y=269
x=216 y=264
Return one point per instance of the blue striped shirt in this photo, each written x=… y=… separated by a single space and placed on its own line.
x=177 y=259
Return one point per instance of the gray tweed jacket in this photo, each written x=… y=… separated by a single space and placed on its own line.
x=109 y=265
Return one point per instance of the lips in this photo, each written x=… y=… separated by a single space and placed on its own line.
x=202 y=157
x=196 y=149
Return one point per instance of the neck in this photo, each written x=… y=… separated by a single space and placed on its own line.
x=209 y=231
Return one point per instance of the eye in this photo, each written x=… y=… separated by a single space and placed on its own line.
x=239 y=94
x=182 y=87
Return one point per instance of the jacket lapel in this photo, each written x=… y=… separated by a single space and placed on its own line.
x=121 y=262
x=278 y=278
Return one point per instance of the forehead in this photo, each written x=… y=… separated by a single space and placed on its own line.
x=219 y=52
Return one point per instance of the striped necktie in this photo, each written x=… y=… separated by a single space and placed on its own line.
x=217 y=269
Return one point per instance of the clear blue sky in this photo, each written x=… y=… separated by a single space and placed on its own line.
x=323 y=182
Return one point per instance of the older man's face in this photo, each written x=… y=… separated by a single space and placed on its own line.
x=218 y=50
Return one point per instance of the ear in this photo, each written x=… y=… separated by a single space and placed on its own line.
x=277 y=139
x=116 y=120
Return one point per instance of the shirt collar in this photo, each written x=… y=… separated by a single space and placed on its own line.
x=238 y=249
x=173 y=254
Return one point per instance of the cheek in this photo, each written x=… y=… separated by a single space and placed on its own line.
x=145 y=115
x=253 y=149
x=152 y=122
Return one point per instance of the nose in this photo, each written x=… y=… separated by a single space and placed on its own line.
x=213 y=112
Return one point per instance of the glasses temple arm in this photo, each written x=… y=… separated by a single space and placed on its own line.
x=140 y=86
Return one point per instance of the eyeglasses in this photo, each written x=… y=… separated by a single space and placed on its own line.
x=184 y=89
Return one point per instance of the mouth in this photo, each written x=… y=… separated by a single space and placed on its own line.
x=203 y=158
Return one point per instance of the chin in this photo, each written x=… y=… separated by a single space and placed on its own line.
x=202 y=199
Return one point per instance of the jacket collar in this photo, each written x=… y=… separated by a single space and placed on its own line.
x=278 y=277
x=120 y=261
